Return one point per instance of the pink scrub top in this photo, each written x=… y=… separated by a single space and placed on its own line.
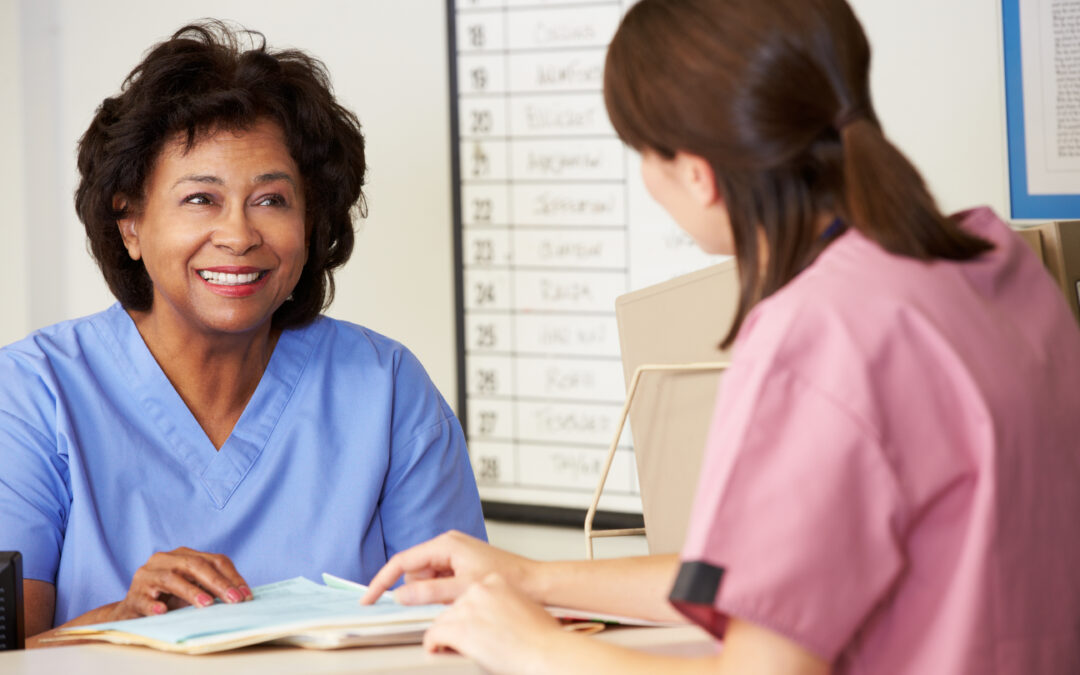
x=892 y=476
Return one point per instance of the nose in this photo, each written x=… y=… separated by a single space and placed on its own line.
x=235 y=232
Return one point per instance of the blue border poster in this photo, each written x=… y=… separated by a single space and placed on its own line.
x=1042 y=93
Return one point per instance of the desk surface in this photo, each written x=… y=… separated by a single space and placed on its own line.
x=105 y=659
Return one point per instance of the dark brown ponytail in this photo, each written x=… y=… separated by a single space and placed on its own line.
x=775 y=96
x=888 y=201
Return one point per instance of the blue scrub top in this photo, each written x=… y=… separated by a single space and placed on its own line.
x=345 y=454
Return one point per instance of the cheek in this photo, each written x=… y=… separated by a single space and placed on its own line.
x=167 y=249
x=648 y=178
x=292 y=247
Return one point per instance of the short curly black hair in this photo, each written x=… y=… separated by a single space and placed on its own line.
x=208 y=77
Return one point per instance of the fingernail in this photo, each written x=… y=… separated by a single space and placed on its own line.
x=247 y=592
x=204 y=600
x=233 y=595
x=157 y=608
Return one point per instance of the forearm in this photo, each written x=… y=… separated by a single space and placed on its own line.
x=99 y=615
x=572 y=653
x=636 y=587
x=748 y=648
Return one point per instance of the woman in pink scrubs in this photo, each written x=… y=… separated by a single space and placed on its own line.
x=892 y=478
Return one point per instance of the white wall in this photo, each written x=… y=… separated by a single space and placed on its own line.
x=388 y=63
x=14 y=313
x=937 y=80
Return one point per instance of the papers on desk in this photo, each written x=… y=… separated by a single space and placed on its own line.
x=297 y=611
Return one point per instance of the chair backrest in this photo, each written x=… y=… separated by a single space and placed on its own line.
x=678 y=321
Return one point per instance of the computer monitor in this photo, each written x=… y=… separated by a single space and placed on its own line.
x=12 y=627
x=679 y=321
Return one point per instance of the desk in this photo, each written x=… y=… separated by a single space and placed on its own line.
x=105 y=659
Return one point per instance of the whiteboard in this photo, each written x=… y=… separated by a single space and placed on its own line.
x=552 y=223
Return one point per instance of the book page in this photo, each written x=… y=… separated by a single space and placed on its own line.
x=1050 y=56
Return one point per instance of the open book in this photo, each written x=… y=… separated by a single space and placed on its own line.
x=296 y=612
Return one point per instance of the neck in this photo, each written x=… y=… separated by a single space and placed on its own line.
x=215 y=374
x=826 y=229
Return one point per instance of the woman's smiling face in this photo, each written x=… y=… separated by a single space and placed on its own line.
x=221 y=230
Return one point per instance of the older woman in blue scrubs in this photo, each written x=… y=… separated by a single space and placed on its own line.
x=212 y=431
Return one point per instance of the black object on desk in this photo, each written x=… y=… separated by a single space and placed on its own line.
x=12 y=626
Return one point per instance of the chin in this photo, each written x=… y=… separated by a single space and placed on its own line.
x=235 y=324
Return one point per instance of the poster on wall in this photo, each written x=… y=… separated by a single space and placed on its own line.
x=552 y=223
x=1042 y=88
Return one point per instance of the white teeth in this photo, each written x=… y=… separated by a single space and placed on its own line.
x=225 y=279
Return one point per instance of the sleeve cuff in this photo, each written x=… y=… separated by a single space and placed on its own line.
x=694 y=595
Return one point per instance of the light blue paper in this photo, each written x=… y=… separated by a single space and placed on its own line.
x=294 y=601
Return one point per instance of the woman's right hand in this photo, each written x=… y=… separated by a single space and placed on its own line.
x=167 y=581
x=440 y=570
x=178 y=578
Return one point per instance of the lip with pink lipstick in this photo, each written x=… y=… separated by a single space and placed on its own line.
x=233 y=281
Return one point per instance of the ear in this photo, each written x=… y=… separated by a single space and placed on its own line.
x=697 y=176
x=127 y=225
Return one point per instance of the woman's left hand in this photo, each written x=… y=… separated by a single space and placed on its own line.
x=496 y=625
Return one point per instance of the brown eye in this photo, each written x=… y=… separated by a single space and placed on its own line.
x=199 y=199
x=271 y=200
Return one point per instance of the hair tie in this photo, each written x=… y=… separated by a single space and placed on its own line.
x=846 y=117
x=835 y=228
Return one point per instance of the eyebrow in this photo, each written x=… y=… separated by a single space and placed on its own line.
x=272 y=176
x=196 y=178
x=258 y=180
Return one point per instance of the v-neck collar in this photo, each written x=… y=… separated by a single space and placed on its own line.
x=219 y=471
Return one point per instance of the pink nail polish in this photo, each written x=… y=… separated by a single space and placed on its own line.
x=233 y=595
x=204 y=600
x=247 y=592
x=158 y=609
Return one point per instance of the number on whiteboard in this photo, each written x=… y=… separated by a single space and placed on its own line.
x=485 y=293
x=476 y=36
x=485 y=336
x=481 y=165
x=479 y=78
x=481 y=210
x=486 y=381
x=487 y=422
x=488 y=470
x=481 y=121
x=483 y=251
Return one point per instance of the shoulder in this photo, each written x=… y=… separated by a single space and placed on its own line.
x=54 y=340
x=359 y=357
x=858 y=293
x=825 y=308
x=865 y=325
x=852 y=324
x=50 y=350
x=35 y=370
x=349 y=345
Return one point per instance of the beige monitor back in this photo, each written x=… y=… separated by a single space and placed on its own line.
x=678 y=321
x=1057 y=244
